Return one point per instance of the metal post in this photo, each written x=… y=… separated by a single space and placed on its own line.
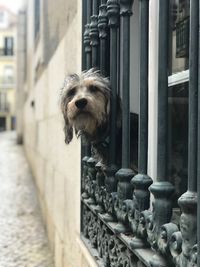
x=162 y=189
x=94 y=42
x=85 y=149
x=125 y=174
x=142 y=181
x=110 y=170
x=103 y=36
x=198 y=160
x=94 y=34
x=188 y=201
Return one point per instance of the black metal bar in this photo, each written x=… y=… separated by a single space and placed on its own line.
x=142 y=181
x=84 y=21
x=103 y=34
x=86 y=149
x=161 y=189
x=143 y=114
x=198 y=170
x=110 y=170
x=198 y=173
x=193 y=99
x=113 y=13
x=124 y=175
x=124 y=85
x=188 y=201
x=94 y=33
x=88 y=51
x=162 y=91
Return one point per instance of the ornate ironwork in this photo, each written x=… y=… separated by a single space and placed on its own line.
x=116 y=218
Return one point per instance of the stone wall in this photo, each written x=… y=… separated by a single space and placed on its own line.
x=56 y=166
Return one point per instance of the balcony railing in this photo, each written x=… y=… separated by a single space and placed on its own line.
x=6 y=52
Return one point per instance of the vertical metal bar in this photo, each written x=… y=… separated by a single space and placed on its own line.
x=198 y=174
x=188 y=201
x=124 y=85
x=84 y=21
x=198 y=159
x=161 y=189
x=88 y=50
x=103 y=35
x=193 y=93
x=143 y=113
x=86 y=149
x=124 y=175
x=162 y=91
x=94 y=34
x=110 y=170
x=113 y=13
x=142 y=181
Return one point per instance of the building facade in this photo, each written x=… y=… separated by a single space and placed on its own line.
x=7 y=68
x=141 y=214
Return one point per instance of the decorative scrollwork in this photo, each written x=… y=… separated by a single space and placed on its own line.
x=102 y=21
x=100 y=188
x=93 y=229
x=175 y=247
x=87 y=39
x=164 y=237
x=193 y=256
x=94 y=33
x=85 y=179
x=113 y=13
x=91 y=180
x=125 y=7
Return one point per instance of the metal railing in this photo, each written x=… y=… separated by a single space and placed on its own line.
x=6 y=52
x=116 y=219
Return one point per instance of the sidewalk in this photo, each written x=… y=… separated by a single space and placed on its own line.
x=23 y=241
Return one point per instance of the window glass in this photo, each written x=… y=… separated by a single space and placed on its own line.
x=1 y=16
x=178 y=36
x=178 y=137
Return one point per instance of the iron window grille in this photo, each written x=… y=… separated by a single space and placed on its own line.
x=117 y=223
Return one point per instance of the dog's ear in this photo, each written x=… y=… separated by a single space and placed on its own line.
x=68 y=131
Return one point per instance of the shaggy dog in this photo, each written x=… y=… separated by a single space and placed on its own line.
x=85 y=105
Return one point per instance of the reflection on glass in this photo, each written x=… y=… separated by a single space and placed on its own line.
x=178 y=137
x=178 y=35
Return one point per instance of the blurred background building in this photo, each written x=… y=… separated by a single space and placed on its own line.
x=8 y=27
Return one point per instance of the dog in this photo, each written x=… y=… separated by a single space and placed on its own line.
x=85 y=104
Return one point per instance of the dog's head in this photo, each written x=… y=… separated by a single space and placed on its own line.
x=85 y=105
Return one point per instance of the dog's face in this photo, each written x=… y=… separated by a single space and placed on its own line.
x=85 y=104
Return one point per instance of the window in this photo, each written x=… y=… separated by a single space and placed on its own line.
x=1 y=17
x=37 y=17
x=3 y=102
x=8 y=46
x=178 y=96
x=8 y=74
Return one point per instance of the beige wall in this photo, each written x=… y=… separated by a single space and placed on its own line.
x=56 y=166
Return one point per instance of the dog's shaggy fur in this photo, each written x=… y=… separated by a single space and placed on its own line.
x=85 y=105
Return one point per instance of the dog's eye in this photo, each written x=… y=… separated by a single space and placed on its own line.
x=71 y=92
x=93 y=89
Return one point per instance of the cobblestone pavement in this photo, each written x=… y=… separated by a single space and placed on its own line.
x=23 y=241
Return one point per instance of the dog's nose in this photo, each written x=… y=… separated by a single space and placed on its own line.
x=81 y=103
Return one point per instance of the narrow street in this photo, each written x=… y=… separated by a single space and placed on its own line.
x=23 y=240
